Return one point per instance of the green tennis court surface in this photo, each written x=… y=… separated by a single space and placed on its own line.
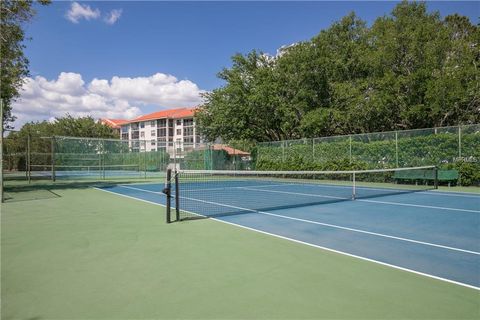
x=87 y=254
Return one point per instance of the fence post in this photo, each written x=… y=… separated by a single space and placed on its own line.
x=350 y=148
x=145 y=160
x=102 y=159
x=1 y=151
x=53 y=157
x=459 y=141
x=174 y=143
x=396 y=148
x=313 y=149
x=29 y=174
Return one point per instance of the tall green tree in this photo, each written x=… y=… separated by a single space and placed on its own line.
x=410 y=69
x=249 y=106
x=14 y=14
x=67 y=126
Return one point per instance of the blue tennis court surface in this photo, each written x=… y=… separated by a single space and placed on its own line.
x=429 y=232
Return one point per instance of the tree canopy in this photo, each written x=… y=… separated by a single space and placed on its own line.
x=14 y=65
x=67 y=126
x=410 y=69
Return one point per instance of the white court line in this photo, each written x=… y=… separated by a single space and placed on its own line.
x=366 y=200
x=451 y=194
x=325 y=196
x=311 y=244
x=418 y=205
x=335 y=226
x=144 y=190
x=254 y=188
x=421 y=191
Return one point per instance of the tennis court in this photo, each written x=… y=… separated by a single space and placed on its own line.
x=407 y=226
x=107 y=253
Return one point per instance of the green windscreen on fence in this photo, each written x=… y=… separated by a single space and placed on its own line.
x=72 y=158
x=455 y=148
x=69 y=158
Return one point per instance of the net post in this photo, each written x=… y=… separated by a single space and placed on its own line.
x=167 y=191
x=177 y=198
x=53 y=157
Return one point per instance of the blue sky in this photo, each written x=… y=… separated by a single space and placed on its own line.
x=183 y=43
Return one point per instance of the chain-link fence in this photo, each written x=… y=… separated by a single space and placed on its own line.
x=448 y=147
x=69 y=158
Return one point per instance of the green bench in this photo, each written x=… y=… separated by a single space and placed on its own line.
x=427 y=175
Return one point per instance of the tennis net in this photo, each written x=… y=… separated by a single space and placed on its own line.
x=214 y=193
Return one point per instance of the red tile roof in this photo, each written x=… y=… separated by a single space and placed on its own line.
x=231 y=151
x=171 y=114
x=114 y=123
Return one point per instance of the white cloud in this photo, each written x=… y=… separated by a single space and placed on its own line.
x=113 y=16
x=43 y=99
x=78 y=12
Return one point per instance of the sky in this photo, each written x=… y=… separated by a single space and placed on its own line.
x=119 y=59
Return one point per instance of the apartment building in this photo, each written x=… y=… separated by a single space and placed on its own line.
x=158 y=130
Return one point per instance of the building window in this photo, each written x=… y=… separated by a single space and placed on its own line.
x=134 y=126
x=188 y=131
x=152 y=123
x=188 y=139
x=152 y=143
x=179 y=122
x=162 y=132
x=142 y=134
x=179 y=131
x=162 y=122
x=142 y=125
x=188 y=122
x=124 y=129
x=152 y=133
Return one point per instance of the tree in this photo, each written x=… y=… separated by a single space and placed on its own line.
x=14 y=65
x=67 y=126
x=249 y=106
x=410 y=69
